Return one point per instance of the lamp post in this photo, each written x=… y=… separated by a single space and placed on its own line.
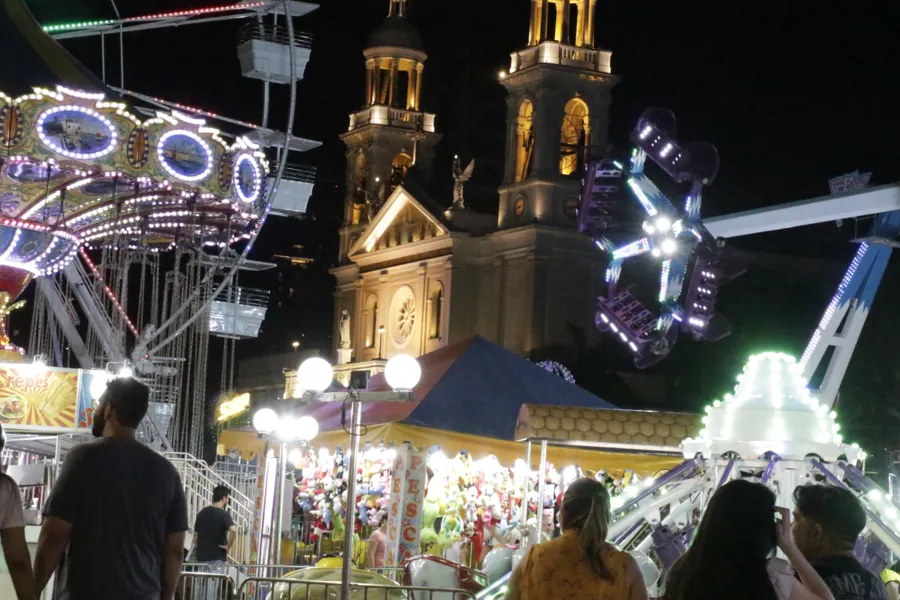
x=402 y=373
x=287 y=428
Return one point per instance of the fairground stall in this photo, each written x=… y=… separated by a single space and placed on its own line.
x=476 y=467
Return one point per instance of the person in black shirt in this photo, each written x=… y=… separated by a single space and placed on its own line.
x=214 y=530
x=119 y=507
x=827 y=521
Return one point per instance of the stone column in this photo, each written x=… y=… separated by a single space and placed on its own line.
x=589 y=29
x=547 y=119
x=412 y=91
x=558 y=25
x=369 y=78
x=419 y=67
x=545 y=12
x=535 y=25
x=395 y=76
x=565 y=28
x=376 y=76
x=579 y=24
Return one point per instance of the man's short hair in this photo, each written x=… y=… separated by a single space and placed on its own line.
x=835 y=509
x=129 y=399
x=220 y=492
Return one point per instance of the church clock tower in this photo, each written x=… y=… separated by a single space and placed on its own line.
x=391 y=133
x=557 y=117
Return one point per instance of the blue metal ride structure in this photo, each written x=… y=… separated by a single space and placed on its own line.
x=674 y=235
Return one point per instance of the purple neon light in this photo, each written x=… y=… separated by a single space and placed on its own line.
x=833 y=305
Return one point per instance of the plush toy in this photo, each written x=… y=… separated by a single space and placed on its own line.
x=362 y=509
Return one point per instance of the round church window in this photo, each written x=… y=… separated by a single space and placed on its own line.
x=402 y=316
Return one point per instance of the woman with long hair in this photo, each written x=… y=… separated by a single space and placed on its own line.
x=732 y=553
x=580 y=563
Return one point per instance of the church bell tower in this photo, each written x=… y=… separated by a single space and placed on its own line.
x=391 y=133
x=557 y=114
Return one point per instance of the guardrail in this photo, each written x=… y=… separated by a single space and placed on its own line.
x=274 y=34
x=195 y=585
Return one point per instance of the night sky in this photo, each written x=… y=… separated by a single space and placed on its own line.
x=791 y=93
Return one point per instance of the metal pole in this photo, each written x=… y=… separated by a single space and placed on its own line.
x=542 y=482
x=350 y=504
x=56 y=457
x=279 y=518
x=523 y=510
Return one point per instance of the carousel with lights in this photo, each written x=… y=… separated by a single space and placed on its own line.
x=133 y=221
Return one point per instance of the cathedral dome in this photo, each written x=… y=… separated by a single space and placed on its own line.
x=397 y=31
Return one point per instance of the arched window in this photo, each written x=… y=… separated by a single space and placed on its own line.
x=573 y=136
x=370 y=320
x=400 y=165
x=524 y=139
x=435 y=310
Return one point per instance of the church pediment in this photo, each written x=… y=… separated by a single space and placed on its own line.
x=402 y=220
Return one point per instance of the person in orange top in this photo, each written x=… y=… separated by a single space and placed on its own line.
x=580 y=563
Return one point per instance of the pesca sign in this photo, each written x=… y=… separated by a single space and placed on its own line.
x=405 y=506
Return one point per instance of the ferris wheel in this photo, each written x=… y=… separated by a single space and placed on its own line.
x=135 y=216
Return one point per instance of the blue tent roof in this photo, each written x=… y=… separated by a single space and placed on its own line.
x=477 y=387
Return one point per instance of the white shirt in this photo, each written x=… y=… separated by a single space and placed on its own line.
x=781 y=574
x=11 y=513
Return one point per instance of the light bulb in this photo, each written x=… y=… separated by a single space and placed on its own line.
x=125 y=371
x=295 y=457
x=286 y=429
x=265 y=420
x=306 y=428
x=99 y=381
x=402 y=372
x=668 y=246
x=315 y=374
x=663 y=224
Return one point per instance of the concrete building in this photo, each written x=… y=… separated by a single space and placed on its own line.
x=415 y=275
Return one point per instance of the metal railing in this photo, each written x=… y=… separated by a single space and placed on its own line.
x=304 y=173
x=238 y=474
x=270 y=588
x=198 y=584
x=244 y=296
x=199 y=481
x=274 y=34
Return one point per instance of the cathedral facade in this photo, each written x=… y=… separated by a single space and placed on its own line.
x=417 y=273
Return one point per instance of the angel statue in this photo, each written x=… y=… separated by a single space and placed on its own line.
x=345 y=329
x=460 y=177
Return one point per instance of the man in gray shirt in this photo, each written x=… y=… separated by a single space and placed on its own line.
x=119 y=507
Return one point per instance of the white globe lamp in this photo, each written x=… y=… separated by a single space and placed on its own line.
x=295 y=457
x=402 y=372
x=125 y=371
x=306 y=428
x=286 y=429
x=99 y=381
x=265 y=420
x=315 y=374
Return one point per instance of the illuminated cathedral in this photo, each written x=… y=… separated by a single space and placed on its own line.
x=416 y=272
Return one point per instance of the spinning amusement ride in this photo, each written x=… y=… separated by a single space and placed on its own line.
x=134 y=219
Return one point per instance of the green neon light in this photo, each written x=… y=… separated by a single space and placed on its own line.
x=79 y=25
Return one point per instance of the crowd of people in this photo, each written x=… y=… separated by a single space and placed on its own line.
x=114 y=528
x=732 y=555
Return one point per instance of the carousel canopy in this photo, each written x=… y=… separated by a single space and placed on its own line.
x=36 y=59
x=474 y=387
